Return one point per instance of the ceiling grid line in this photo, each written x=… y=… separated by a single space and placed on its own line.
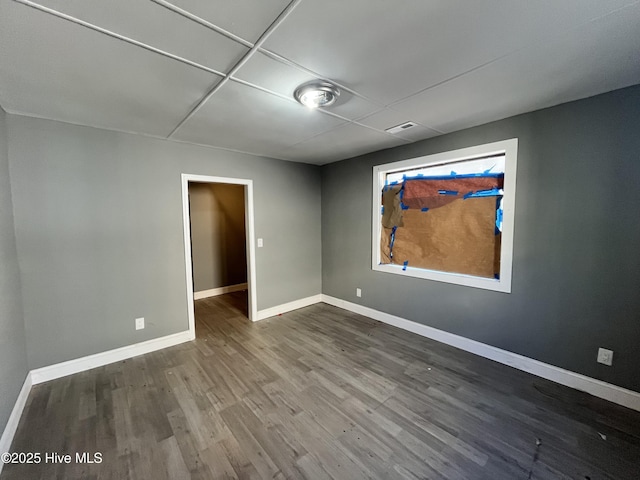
x=148 y=135
x=299 y=67
x=117 y=36
x=545 y=40
x=356 y=120
x=194 y=18
x=325 y=112
x=342 y=125
x=284 y=97
x=450 y=79
x=288 y=98
x=283 y=15
x=322 y=111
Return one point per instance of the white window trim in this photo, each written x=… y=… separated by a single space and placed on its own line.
x=507 y=147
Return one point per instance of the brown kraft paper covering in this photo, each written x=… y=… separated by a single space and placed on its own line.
x=392 y=215
x=385 y=240
x=458 y=237
x=425 y=193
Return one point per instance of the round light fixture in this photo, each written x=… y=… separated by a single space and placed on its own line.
x=316 y=94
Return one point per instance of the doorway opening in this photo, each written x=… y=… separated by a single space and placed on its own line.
x=218 y=237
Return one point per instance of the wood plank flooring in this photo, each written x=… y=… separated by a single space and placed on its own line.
x=319 y=393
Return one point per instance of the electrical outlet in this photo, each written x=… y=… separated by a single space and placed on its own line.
x=605 y=356
x=260 y=243
x=358 y=292
x=139 y=323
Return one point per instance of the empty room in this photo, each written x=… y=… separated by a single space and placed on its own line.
x=298 y=239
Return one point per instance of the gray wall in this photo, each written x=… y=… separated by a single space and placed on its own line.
x=218 y=238
x=13 y=351
x=98 y=221
x=576 y=270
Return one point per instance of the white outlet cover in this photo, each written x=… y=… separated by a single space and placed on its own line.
x=139 y=323
x=260 y=243
x=358 y=292
x=605 y=356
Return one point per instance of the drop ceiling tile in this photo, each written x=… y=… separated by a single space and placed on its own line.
x=52 y=68
x=282 y=78
x=247 y=19
x=157 y=26
x=387 y=52
x=598 y=57
x=346 y=141
x=391 y=117
x=55 y=69
x=243 y=118
x=272 y=74
x=417 y=133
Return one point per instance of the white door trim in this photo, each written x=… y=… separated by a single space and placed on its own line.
x=249 y=228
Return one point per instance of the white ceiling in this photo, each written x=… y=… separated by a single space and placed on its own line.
x=222 y=72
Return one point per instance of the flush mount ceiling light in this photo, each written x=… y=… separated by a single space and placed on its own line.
x=316 y=94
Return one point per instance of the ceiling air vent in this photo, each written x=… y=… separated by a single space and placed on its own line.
x=401 y=128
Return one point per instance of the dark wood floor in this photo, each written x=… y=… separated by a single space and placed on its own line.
x=320 y=393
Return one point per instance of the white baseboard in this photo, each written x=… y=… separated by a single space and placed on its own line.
x=77 y=365
x=287 y=307
x=14 y=418
x=598 y=388
x=214 y=292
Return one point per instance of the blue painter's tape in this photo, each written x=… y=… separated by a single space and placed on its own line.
x=499 y=214
x=393 y=239
x=494 y=192
x=405 y=264
x=402 y=205
x=382 y=210
x=455 y=176
x=448 y=192
x=393 y=236
x=424 y=209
